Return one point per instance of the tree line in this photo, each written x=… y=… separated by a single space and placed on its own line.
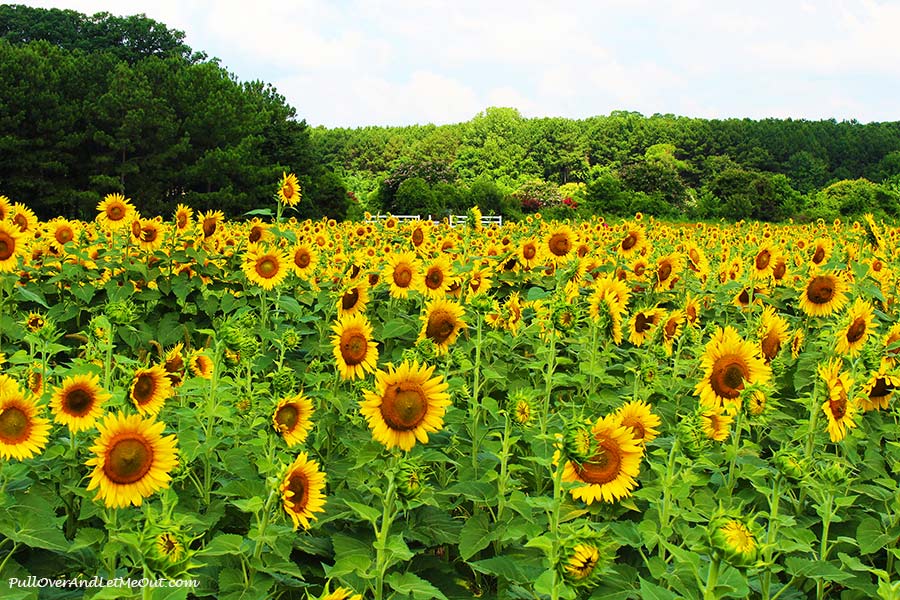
x=98 y=104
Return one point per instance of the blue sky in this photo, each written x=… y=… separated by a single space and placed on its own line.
x=355 y=63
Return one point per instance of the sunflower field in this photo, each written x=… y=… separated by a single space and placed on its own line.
x=281 y=409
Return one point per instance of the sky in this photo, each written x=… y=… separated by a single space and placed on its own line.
x=402 y=62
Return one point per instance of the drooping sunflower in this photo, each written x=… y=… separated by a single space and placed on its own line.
x=730 y=363
x=763 y=262
x=852 y=338
x=201 y=365
x=78 y=401
x=823 y=295
x=11 y=247
x=210 y=224
x=581 y=565
x=880 y=387
x=289 y=190
x=642 y=323
x=150 y=389
x=441 y=323
x=696 y=260
x=403 y=274
x=132 y=459
x=353 y=300
x=479 y=282
x=839 y=407
x=671 y=328
x=355 y=353
x=716 y=423
x=293 y=419
x=23 y=433
x=692 y=311
x=115 y=212
x=266 y=267
x=302 y=491
x=773 y=333
x=173 y=363
x=610 y=473
x=407 y=404
x=638 y=415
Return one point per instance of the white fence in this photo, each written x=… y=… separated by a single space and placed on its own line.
x=453 y=220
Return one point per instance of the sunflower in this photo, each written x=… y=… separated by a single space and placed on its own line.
x=10 y=247
x=773 y=333
x=201 y=365
x=174 y=366
x=697 y=261
x=354 y=351
x=736 y=541
x=301 y=491
x=638 y=416
x=34 y=322
x=115 y=212
x=35 y=378
x=341 y=594
x=441 y=323
x=5 y=208
x=692 y=311
x=839 y=407
x=289 y=190
x=632 y=242
x=666 y=273
x=853 y=337
x=763 y=262
x=183 y=216
x=670 y=330
x=149 y=390
x=132 y=460
x=62 y=231
x=891 y=343
x=293 y=419
x=303 y=260
x=716 y=424
x=407 y=404
x=581 y=565
x=148 y=234
x=265 y=267
x=168 y=547
x=403 y=273
x=353 y=300
x=211 y=224
x=78 y=402
x=479 y=282
x=23 y=434
x=560 y=243
x=823 y=295
x=877 y=392
x=609 y=474
x=821 y=251
x=730 y=363
x=642 y=324
x=437 y=277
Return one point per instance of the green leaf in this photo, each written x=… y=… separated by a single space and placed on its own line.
x=651 y=591
x=803 y=567
x=871 y=536
x=500 y=566
x=475 y=535
x=29 y=296
x=225 y=544
x=412 y=584
x=368 y=513
x=352 y=556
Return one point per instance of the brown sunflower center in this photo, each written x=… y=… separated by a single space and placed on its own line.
x=820 y=290
x=441 y=324
x=128 y=459
x=209 y=226
x=287 y=190
x=434 y=279
x=404 y=406
x=350 y=299
x=354 y=347
x=299 y=488
x=559 y=244
x=603 y=467
x=149 y=234
x=838 y=407
x=880 y=389
x=64 y=234
x=642 y=323
x=403 y=275
x=418 y=236
x=529 y=251
x=856 y=330
x=169 y=545
x=629 y=242
x=744 y=297
x=762 y=260
x=115 y=212
x=302 y=259
x=818 y=255
x=181 y=220
x=639 y=269
x=637 y=428
x=287 y=417
x=7 y=246
x=267 y=267
x=779 y=270
x=144 y=389
x=78 y=401
x=670 y=329
x=727 y=378
x=21 y=221
x=771 y=344
x=664 y=270
x=256 y=234
x=14 y=425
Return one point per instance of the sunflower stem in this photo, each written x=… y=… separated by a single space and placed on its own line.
x=554 y=528
x=476 y=404
x=209 y=425
x=264 y=522
x=667 y=495
x=823 y=543
x=594 y=333
x=502 y=481
x=770 y=536
x=709 y=593
x=381 y=533
x=8 y=555
x=734 y=450
x=107 y=362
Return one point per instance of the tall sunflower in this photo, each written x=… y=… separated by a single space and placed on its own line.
x=289 y=190
x=839 y=407
x=667 y=268
x=115 y=212
x=407 y=404
x=824 y=294
x=638 y=416
x=729 y=363
x=671 y=328
x=23 y=433
x=609 y=474
x=403 y=274
x=184 y=216
x=853 y=336
x=441 y=323
x=150 y=388
x=266 y=267
x=132 y=460
x=78 y=401
x=763 y=261
x=355 y=353
x=529 y=253
x=293 y=419
x=302 y=491
x=11 y=247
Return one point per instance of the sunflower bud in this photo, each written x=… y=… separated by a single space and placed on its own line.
x=834 y=471
x=579 y=442
x=122 y=312
x=411 y=480
x=284 y=381
x=692 y=436
x=587 y=555
x=790 y=464
x=520 y=408
x=734 y=540
x=290 y=339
